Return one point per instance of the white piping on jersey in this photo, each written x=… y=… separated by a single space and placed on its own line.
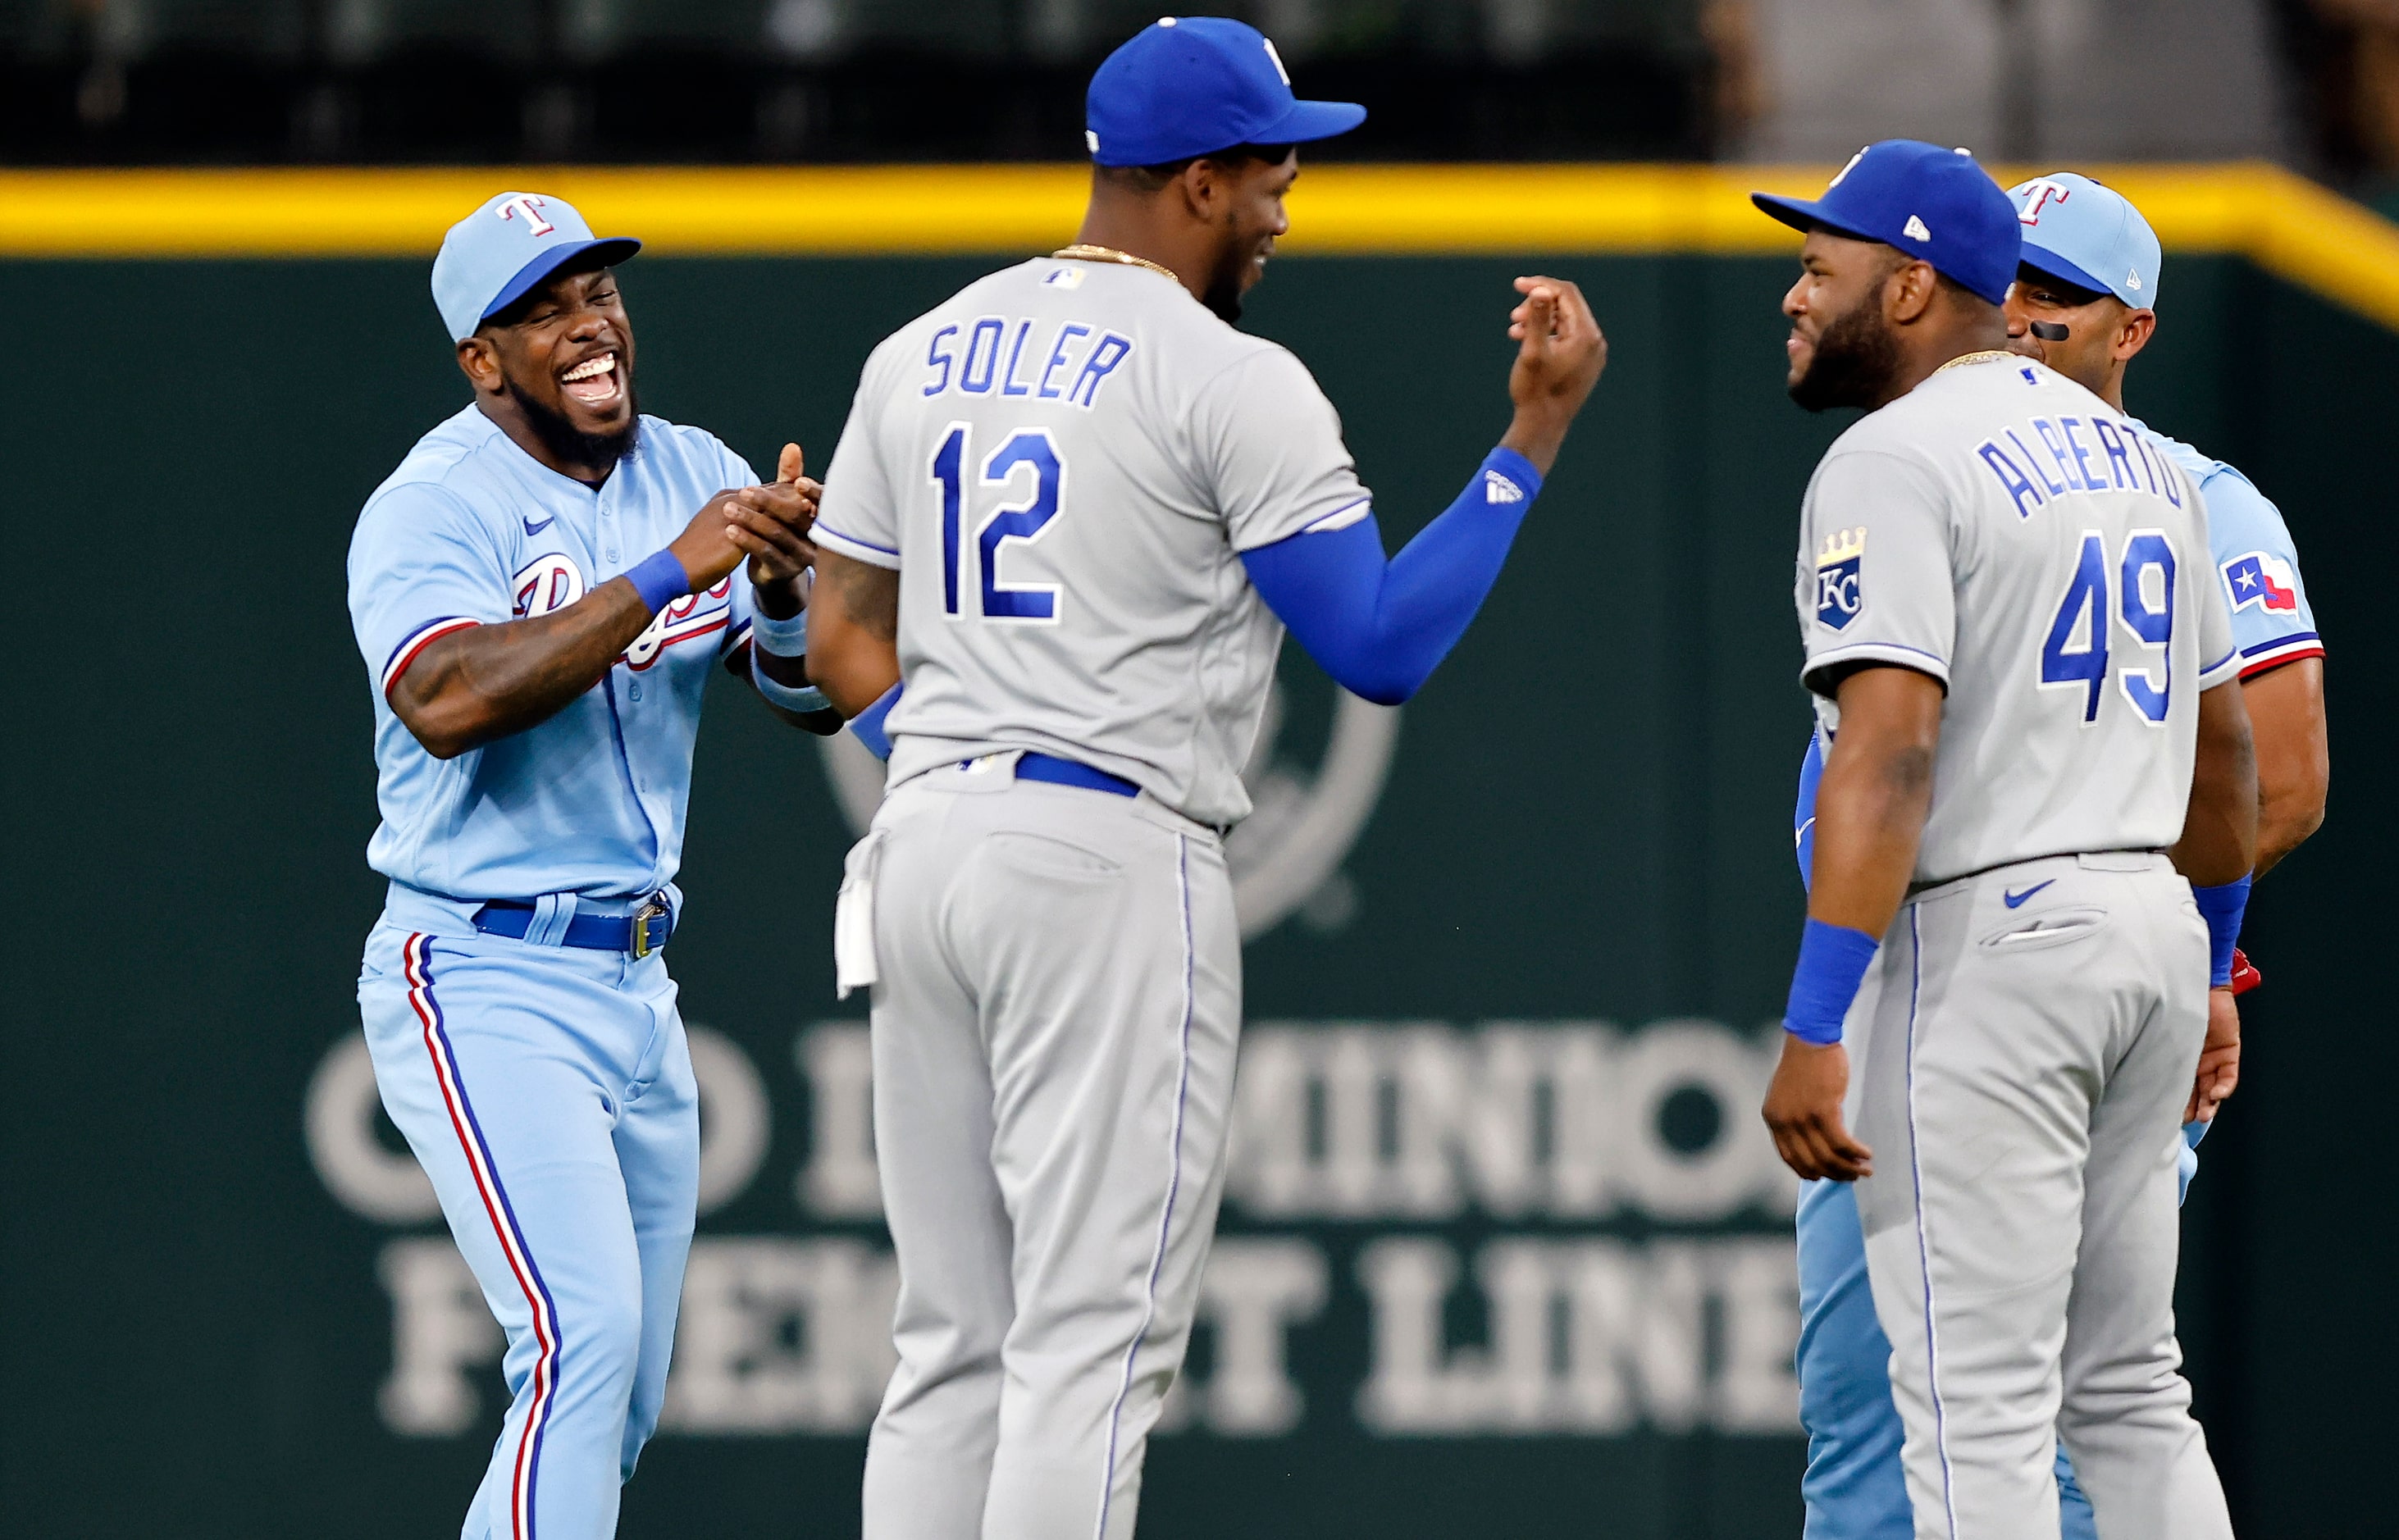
x=1341 y=517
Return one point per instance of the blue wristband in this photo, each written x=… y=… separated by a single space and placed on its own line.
x=785 y=638
x=867 y=727
x=802 y=699
x=1833 y=963
x=2222 y=906
x=660 y=580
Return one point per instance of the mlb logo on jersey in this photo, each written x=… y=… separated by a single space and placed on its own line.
x=2261 y=578
x=1839 y=590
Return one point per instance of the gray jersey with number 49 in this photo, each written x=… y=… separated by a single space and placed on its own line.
x=1064 y=463
x=2007 y=531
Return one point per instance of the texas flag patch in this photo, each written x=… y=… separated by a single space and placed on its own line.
x=1498 y=489
x=2264 y=580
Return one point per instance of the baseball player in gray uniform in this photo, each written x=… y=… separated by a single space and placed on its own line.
x=1074 y=511
x=2033 y=841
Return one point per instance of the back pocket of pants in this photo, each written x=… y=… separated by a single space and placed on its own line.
x=1048 y=855
x=2052 y=928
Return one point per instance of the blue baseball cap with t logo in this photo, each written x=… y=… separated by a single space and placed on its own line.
x=1926 y=202
x=501 y=251
x=1191 y=85
x=2090 y=235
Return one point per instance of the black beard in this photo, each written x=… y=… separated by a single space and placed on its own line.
x=1854 y=363
x=1224 y=296
x=570 y=445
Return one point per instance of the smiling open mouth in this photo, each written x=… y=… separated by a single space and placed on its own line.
x=592 y=382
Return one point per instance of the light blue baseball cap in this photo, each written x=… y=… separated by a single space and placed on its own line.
x=497 y=255
x=2089 y=235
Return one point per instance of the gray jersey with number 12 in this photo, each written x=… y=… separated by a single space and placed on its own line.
x=2005 y=530
x=1065 y=462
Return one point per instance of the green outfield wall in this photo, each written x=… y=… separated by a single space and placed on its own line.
x=1505 y=1251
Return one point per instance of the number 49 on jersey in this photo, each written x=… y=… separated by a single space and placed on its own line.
x=2076 y=653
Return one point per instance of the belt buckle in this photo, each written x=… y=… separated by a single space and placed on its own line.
x=651 y=909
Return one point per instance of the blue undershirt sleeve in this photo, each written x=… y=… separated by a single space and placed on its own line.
x=1803 y=812
x=1379 y=627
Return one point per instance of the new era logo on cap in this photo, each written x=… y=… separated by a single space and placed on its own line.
x=1498 y=489
x=1914 y=229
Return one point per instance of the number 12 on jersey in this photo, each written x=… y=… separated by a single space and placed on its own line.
x=1023 y=522
x=2075 y=652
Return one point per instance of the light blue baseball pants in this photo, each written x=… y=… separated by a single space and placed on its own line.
x=549 y=1094
x=1855 y=1488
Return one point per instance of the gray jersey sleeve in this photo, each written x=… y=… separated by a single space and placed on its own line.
x=1876 y=569
x=857 y=516
x=1269 y=450
x=2219 y=651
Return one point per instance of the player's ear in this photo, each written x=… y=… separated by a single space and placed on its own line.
x=1908 y=291
x=1201 y=187
x=479 y=360
x=2135 y=333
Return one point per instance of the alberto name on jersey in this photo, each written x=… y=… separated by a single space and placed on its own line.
x=2046 y=560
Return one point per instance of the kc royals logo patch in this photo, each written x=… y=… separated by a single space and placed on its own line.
x=1840 y=592
x=2262 y=580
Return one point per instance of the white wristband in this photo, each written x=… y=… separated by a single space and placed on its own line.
x=784 y=637
x=802 y=699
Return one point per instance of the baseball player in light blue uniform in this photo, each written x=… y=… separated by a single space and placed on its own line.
x=2083 y=304
x=540 y=592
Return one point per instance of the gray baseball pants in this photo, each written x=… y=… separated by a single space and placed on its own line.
x=1055 y=1017
x=2020 y=1059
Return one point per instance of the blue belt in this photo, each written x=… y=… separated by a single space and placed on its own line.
x=640 y=933
x=1058 y=772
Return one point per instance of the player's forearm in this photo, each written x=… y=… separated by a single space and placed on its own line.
x=1870 y=816
x=476 y=685
x=1381 y=628
x=1873 y=799
x=2219 y=831
x=2285 y=823
x=1538 y=431
x=2286 y=726
x=854 y=676
x=853 y=627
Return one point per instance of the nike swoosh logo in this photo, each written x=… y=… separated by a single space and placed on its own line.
x=2016 y=900
x=532 y=528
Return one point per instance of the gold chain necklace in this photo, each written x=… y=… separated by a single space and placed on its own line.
x=1082 y=251
x=1987 y=356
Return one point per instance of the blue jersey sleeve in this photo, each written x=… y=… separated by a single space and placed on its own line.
x=1380 y=627
x=421 y=566
x=2259 y=568
x=1803 y=811
x=741 y=604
